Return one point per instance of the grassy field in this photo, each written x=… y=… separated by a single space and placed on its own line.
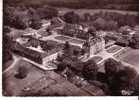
x=97 y=59
x=76 y=41
x=62 y=38
x=113 y=49
x=13 y=85
x=131 y=57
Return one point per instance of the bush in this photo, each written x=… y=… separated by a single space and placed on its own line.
x=61 y=66
x=47 y=12
x=22 y=72
x=90 y=70
x=111 y=66
x=71 y=17
x=136 y=85
x=7 y=46
x=135 y=41
x=125 y=76
x=36 y=24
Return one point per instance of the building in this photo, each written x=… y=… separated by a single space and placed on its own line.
x=57 y=22
x=93 y=46
x=27 y=53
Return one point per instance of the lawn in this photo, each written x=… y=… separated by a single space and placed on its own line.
x=64 y=38
x=113 y=49
x=131 y=57
x=13 y=85
x=76 y=41
x=37 y=82
x=97 y=59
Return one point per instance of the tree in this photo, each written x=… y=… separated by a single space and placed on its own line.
x=76 y=52
x=67 y=49
x=92 y=31
x=20 y=22
x=61 y=66
x=90 y=70
x=135 y=41
x=35 y=21
x=7 y=45
x=21 y=72
x=111 y=25
x=6 y=29
x=35 y=24
x=126 y=75
x=136 y=85
x=71 y=17
x=15 y=17
x=47 y=12
x=59 y=58
x=122 y=41
x=9 y=16
x=66 y=45
x=111 y=67
x=100 y=23
x=124 y=30
x=125 y=79
x=87 y=17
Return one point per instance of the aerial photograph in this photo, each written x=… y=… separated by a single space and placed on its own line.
x=70 y=48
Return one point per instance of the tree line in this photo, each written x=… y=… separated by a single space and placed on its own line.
x=93 y=4
x=102 y=20
x=22 y=17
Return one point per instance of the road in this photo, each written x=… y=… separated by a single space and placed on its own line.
x=15 y=61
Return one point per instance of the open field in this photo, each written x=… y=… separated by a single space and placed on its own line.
x=131 y=57
x=14 y=85
x=37 y=82
x=76 y=41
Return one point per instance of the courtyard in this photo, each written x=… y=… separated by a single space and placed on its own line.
x=113 y=49
x=62 y=38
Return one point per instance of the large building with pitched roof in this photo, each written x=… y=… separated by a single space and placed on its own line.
x=93 y=46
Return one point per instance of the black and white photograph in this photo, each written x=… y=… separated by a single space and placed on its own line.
x=56 y=48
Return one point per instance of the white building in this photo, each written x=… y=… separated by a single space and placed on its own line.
x=94 y=46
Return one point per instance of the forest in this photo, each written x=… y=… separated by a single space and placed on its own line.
x=78 y=4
